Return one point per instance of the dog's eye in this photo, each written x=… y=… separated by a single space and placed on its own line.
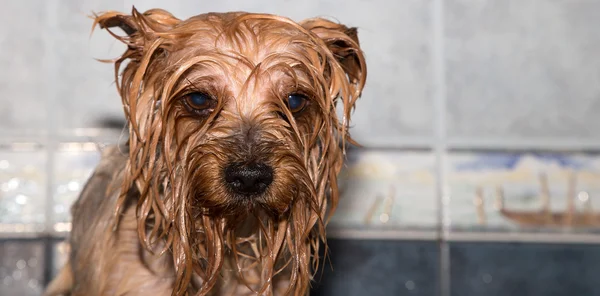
x=198 y=101
x=296 y=102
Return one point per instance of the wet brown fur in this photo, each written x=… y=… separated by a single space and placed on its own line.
x=156 y=218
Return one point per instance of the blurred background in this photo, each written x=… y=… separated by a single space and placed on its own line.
x=479 y=171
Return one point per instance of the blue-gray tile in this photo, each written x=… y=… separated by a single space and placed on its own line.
x=379 y=268
x=60 y=254
x=21 y=268
x=524 y=269
x=523 y=69
x=395 y=36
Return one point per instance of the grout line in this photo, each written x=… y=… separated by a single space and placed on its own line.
x=48 y=260
x=22 y=235
x=440 y=144
x=525 y=237
x=380 y=234
x=456 y=236
x=51 y=7
x=465 y=236
x=400 y=144
x=524 y=144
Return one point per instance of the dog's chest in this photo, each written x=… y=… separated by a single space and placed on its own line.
x=135 y=271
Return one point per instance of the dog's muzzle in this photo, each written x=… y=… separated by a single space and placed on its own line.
x=248 y=179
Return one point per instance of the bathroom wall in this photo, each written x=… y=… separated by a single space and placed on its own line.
x=466 y=101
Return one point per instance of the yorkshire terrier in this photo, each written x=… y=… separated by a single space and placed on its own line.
x=238 y=124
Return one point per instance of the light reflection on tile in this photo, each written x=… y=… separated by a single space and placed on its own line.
x=72 y=169
x=520 y=179
x=387 y=189
x=22 y=187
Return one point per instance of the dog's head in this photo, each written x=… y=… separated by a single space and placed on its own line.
x=235 y=137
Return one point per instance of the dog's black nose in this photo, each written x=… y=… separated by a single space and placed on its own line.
x=248 y=179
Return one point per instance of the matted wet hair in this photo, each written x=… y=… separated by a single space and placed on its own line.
x=167 y=156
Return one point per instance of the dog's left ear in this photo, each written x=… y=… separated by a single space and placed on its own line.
x=343 y=43
x=115 y=19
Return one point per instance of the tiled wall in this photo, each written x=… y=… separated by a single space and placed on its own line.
x=464 y=97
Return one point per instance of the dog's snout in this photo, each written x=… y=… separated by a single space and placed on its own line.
x=248 y=179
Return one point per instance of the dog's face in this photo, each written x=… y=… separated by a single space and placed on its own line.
x=233 y=119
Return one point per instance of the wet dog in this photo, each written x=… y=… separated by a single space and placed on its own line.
x=237 y=126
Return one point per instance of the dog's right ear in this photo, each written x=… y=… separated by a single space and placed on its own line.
x=143 y=37
x=137 y=26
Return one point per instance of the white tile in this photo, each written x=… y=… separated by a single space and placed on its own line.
x=523 y=69
x=83 y=88
x=395 y=36
x=23 y=92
